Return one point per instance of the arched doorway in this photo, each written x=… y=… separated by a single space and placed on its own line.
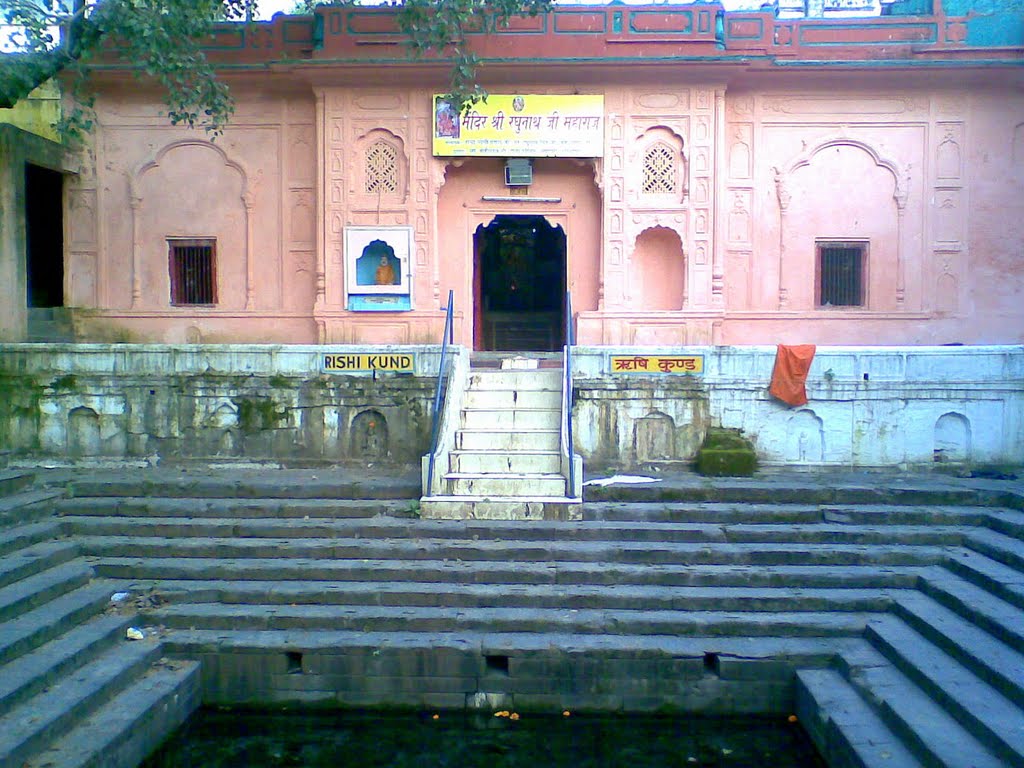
x=519 y=279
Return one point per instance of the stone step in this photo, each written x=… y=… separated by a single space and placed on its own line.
x=12 y=539
x=517 y=380
x=14 y=480
x=427 y=619
x=740 y=490
x=780 y=513
x=26 y=505
x=567 y=597
x=402 y=485
x=123 y=732
x=499 y=530
x=519 y=509
x=34 y=724
x=991 y=718
x=33 y=591
x=998 y=546
x=55 y=660
x=929 y=731
x=132 y=506
x=1007 y=522
x=1001 y=665
x=35 y=558
x=607 y=552
x=497 y=572
x=843 y=726
x=502 y=462
x=42 y=624
x=1003 y=581
x=507 y=485
x=510 y=419
x=508 y=440
x=997 y=617
x=513 y=398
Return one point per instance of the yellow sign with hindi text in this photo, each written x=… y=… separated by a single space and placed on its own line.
x=692 y=364
x=527 y=125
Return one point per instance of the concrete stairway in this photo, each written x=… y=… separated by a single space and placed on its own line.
x=890 y=618
x=507 y=461
x=73 y=690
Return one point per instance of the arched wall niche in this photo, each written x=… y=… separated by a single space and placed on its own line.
x=660 y=169
x=841 y=190
x=658 y=268
x=381 y=166
x=191 y=189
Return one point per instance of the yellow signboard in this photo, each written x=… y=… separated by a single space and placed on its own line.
x=527 y=125
x=350 y=363
x=657 y=364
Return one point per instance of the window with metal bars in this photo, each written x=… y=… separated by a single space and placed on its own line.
x=659 y=170
x=193 y=271
x=381 y=169
x=842 y=267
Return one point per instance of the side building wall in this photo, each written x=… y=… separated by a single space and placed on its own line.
x=927 y=180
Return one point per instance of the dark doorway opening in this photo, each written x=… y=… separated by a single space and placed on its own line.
x=44 y=236
x=519 y=285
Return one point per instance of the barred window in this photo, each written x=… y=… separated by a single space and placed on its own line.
x=659 y=169
x=842 y=267
x=381 y=169
x=192 y=265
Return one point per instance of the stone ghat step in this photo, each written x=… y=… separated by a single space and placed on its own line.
x=781 y=513
x=27 y=505
x=34 y=558
x=14 y=480
x=277 y=509
x=1001 y=664
x=41 y=668
x=568 y=597
x=978 y=707
x=32 y=725
x=123 y=732
x=932 y=733
x=508 y=531
x=271 y=486
x=141 y=572
x=843 y=726
x=42 y=624
x=645 y=553
x=427 y=619
x=13 y=539
x=795 y=492
x=33 y=591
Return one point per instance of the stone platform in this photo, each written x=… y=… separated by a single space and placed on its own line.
x=885 y=610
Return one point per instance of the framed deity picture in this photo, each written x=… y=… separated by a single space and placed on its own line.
x=378 y=268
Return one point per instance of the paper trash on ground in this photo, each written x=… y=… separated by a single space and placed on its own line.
x=622 y=479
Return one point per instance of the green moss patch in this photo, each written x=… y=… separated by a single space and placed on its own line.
x=726 y=453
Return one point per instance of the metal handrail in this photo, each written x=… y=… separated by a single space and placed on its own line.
x=567 y=393
x=442 y=375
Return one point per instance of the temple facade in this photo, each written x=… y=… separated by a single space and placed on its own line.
x=688 y=175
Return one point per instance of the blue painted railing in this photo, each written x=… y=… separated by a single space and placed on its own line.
x=439 y=392
x=567 y=394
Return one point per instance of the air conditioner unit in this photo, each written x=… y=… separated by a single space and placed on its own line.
x=518 y=172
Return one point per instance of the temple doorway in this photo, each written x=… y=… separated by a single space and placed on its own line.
x=519 y=268
x=44 y=236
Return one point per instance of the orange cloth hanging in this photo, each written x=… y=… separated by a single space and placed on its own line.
x=790 y=373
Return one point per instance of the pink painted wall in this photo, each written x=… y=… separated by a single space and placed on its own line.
x=931 y=176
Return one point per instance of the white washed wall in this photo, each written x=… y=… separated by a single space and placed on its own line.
x=869 y=406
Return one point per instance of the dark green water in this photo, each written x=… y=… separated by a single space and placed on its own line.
x=243 y=739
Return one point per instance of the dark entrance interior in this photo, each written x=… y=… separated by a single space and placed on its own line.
x=519 y=285
x=44 y=233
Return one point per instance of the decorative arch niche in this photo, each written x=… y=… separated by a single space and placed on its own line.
x=660 y=168
x=191 y=189
x=658 y=268
x=381 y=166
